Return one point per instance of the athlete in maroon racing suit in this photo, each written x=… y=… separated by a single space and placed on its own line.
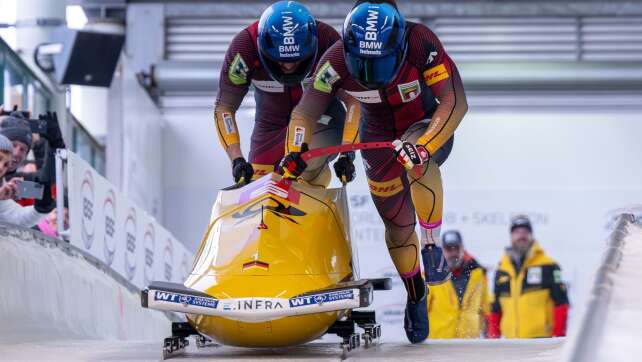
x=410 y=93
x=276 y=55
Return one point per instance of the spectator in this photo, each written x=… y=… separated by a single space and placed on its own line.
x=458 y=308
x=17 y=128
x=18 y=131
x=10 y=211
x=530 y=297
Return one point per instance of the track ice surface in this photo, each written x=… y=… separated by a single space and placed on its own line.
x=540 y=350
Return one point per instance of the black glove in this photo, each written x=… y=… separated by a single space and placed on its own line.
x=242 y=169
x=344 y=167
x=54 y=135
x=292 y=165
x=46 y=204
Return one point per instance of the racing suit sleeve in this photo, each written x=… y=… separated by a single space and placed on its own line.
x=353 y=116
x=327 y=80
x=234 y=82
x=441 y=75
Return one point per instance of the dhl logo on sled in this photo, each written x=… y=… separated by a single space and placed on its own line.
x=274 y=268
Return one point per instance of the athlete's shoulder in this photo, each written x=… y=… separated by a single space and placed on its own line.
x=334 y=55
x=241 y=59
x=419 y=31
x=252 y=29
x=325 y=28
x=331 y=70
x=245 y=40
x=423 y=45
x=327 y=36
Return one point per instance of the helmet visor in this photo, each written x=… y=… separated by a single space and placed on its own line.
x=374 y=73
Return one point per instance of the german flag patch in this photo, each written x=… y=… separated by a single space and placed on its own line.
x=436 y=74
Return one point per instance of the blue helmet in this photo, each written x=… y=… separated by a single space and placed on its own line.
x=287 y=34
x=374 y=41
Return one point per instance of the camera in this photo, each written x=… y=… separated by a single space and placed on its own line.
x=46 y=125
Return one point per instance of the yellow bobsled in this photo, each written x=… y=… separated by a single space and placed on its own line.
x=275 y=268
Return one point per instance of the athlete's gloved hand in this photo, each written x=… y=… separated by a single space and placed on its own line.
x=292 y=165
x=242 y=170
x=344 y=167
x=410 y=155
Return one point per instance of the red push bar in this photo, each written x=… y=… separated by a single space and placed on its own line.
x=318 y=152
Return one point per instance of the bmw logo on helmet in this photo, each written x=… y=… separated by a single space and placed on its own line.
x=374 y=40
x=287 y=33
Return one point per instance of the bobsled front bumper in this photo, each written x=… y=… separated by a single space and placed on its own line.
x=178 y=298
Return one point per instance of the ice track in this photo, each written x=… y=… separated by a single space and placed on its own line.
x=434 y=351
x=57 y=304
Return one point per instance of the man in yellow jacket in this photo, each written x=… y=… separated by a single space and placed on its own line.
x=530 y=298
x=458 y=308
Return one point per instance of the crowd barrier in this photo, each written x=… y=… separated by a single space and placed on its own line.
x=105 y=224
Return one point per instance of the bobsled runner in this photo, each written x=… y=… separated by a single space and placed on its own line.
x=275 y=268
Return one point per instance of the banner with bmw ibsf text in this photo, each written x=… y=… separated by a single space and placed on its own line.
x=107 y=225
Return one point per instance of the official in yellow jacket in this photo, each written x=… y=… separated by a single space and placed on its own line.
x=458 y=308
x=530 y=298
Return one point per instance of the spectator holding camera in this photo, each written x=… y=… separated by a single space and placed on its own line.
x=10 y=211
x=17 y=130
x=44 y=137
x=530 y=297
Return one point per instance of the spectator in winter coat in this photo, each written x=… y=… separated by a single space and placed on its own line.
x=458 y=308
x=530 y=296
x=10 y=211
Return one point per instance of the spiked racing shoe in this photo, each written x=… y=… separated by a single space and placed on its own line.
x=415 y=321
x=435 y=266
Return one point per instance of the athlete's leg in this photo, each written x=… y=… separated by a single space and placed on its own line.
x=328 y=132
x=426 y=190
x=266 y=148
x=390 y=192
x=427 y=196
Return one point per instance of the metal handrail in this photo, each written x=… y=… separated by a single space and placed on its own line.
x=591 y=329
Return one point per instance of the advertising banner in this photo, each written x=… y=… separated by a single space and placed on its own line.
x=122 y=235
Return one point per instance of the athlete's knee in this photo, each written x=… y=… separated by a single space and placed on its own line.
x=399 y=233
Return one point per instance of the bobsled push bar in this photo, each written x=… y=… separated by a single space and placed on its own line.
x=178 y=298
x=318 y=152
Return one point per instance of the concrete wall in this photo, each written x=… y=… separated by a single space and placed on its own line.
x=53 y=292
